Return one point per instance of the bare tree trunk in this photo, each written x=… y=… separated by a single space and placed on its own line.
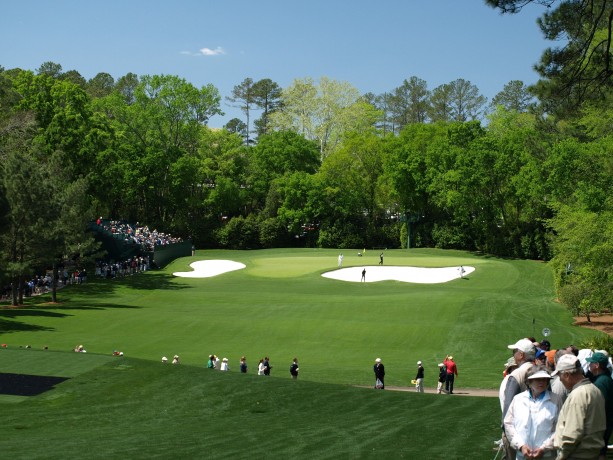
x=14 y=287
x=54 y=279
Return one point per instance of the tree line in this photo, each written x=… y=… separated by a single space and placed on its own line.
x=323 y=166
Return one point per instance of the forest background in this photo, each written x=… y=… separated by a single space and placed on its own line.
x=318 y=164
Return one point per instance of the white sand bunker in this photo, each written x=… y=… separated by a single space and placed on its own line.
x=208 y=268
x=406 y=274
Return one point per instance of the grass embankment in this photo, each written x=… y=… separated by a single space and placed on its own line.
x=279 y=306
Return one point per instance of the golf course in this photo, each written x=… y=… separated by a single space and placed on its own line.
x=280 y=303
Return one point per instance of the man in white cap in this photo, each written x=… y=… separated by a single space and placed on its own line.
x=582 y=421
x=524 y=352
x=379 y=370
x=419 y=378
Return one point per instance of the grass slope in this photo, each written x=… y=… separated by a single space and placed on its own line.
x=137 y=409
x=280 y=306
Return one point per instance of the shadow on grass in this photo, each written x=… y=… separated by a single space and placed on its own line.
x=154 y=281
x=7 y=327
x=27 y=385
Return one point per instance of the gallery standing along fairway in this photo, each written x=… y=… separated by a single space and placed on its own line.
x=277 y=305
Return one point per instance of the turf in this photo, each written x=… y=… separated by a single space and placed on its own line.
x=131 y=408
x=280 y=306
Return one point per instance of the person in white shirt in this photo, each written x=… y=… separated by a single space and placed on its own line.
x=531 y=418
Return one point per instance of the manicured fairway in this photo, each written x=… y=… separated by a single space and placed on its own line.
x=278 y=305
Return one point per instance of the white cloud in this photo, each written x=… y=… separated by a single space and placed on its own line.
x=210 y=52
x=205 y=52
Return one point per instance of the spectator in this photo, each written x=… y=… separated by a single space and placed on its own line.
x=524 y=353
x=293 y=369
x=419 y=378
x=599 y=368
x=452 y=373
x=442 y=377
x=531 y=419
x=379 y=370
x=558 y=387
x=267 y=366
x=582 y=421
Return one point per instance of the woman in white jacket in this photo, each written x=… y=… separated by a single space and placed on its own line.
x=261 y=367
x=531 y=419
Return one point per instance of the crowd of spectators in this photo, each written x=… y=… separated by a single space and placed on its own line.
x=120 y=269
x=137 y=234
x=41 y=284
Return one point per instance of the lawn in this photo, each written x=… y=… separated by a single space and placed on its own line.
x=279 y=306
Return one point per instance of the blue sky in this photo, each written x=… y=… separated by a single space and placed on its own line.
x=372 y=45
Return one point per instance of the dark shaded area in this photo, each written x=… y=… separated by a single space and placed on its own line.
x=27 y=385
x=154 y=281
x=18 y=326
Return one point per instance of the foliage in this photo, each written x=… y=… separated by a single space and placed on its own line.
x=580 y=70
x=582 y=262
x=323 y=112
x=515 y=96
x=240 y=233
x=597 y=342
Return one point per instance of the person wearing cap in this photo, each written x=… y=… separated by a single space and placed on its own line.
x=524 y=353
x=379 y=370
x=532 y=416
x=419 y=378
x=442 y=377
x=267 y=366
x=545 y=345
x=509 y=367
x=452 y=373
x=556 y=385
x=582 y=420
x=293 y=369
x=224 y=365
x=540 y=359
x=601 y=377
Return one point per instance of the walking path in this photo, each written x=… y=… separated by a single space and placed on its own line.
x=456 y=392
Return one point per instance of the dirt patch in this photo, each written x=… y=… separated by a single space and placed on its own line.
x=603 y=323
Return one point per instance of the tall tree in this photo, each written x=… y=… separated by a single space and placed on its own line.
x=465 y=101
x=51 y=69
x=101 y=85
x=410 y=102
x=152 y=135
x=237 y=126
x=440 y=103
x=582 y=68
x=243 y=97
x=384 y=104
x=324 y=111
x=126 y=86
x=514 y=96
x=267 y=97
x=74 y=77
